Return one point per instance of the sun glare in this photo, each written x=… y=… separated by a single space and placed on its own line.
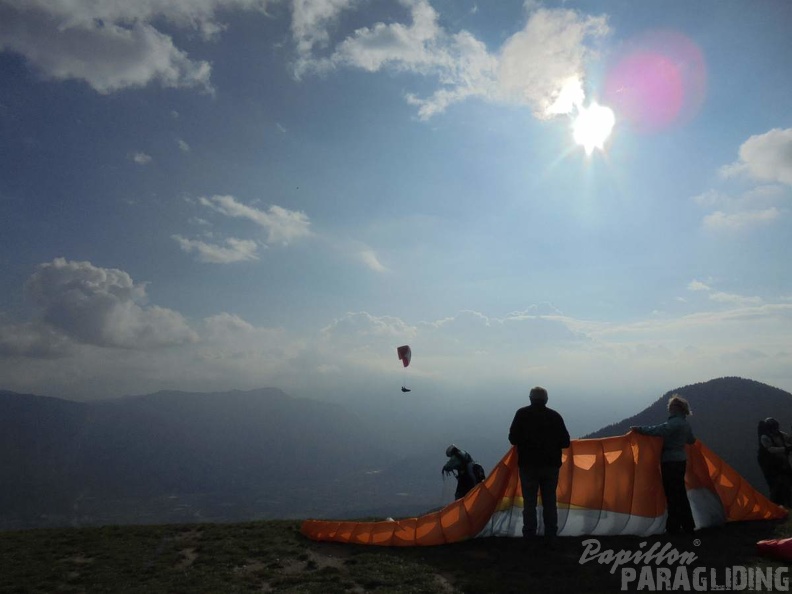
x=593 y=126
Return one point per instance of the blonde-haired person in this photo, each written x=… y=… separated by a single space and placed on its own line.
x=676 y=434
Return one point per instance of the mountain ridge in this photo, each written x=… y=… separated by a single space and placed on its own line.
x=726 y=412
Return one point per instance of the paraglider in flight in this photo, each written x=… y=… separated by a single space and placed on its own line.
x=405 y=355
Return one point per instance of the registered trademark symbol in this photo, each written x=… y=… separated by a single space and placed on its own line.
x=696 y=542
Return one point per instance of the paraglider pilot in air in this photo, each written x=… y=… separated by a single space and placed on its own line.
x=460 y=463
x=405 y=355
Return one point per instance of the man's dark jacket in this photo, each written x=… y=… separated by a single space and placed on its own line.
x=539 y=434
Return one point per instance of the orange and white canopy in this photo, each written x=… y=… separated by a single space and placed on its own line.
x=606 y=486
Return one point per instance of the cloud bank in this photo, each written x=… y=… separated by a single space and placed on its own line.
x=116 y=45
x=95 y=334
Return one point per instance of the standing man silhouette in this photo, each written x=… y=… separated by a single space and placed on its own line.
x=540 y=434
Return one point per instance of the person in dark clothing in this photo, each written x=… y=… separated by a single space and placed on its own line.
x=540 y=434
x=676 y=433
x=773 y=456
x=460 y=463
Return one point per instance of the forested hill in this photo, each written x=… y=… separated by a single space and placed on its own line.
x=726 y=412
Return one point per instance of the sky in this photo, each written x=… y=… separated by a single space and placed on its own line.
x=230 y=194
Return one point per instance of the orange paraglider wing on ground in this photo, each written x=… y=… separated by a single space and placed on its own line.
x=606 y=486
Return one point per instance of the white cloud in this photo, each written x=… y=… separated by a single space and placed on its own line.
x=310 y=20
x=756 y=198
x=354 y=326
x=569 y=354
x=404 y=47
x=734 y=299
x=696 y=285
x=283 y=226
x=113 y=45
x=226 y=324
x=141 y=158
x=371 y=261
x=233 y=250
x=723 y=297
x=731 y=299
x=106 y=55
x=765 y=157
x=541 y=66
x=196 y=14
x=544 y=64
x=712 y=199
x=183 y=146
x=466 y=353
x=737 y=221
x=102 y=307
x=34 y=339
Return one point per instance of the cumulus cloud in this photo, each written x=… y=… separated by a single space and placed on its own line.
x=102 y=307
x=282 y=225
x=113 y=45
x=105 y=55
x=544 y=64
x=405 y=47
x=231 y=250
x=541 y=66
x=310 y=20
x=35 y=340
x=765 y=157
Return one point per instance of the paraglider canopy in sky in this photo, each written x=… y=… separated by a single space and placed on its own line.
x=405 y=354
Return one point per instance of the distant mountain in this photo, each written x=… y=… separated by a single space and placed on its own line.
x=176 y=457
x=726 y=412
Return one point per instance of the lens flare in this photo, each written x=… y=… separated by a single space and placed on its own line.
x=661 y=81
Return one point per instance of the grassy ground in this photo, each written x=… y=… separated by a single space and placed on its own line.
x=274 y=557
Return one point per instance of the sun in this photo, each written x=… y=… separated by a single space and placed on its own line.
x=592 y=126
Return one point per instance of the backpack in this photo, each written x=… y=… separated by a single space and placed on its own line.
x=478 y=473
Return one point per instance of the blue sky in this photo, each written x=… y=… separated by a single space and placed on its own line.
x=241 y=193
